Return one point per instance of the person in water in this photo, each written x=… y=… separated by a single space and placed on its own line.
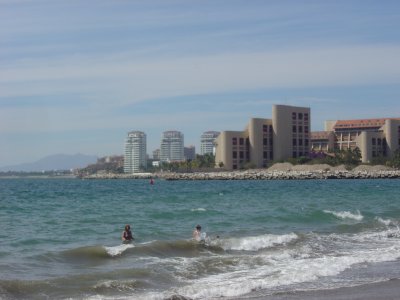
x=197 y=233
x=127 y=234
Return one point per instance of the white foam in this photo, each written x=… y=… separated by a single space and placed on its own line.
x=346 y=215
x=281 y=272
x=385 y=222
x=256 y=243
x=198 y=209
x=118 y=250
x=278 y=267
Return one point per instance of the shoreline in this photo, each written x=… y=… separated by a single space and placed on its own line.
x=388 y=290
x=264 y=174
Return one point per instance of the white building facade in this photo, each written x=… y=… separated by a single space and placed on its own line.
x=171 y=148
x=207 y=142
x=135 y=158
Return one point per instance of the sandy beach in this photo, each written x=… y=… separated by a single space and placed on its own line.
x=388 y=290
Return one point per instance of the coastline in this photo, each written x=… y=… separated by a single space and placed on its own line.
x=282 y=171
x=388 y=290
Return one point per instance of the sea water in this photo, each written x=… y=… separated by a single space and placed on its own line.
x=61 y=238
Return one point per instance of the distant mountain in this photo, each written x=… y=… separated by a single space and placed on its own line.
x=54 y=162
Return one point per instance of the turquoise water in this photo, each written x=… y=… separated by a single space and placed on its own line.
x=62 y=238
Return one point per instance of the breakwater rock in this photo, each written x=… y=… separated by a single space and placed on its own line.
x=263 y=174
x=282 y=175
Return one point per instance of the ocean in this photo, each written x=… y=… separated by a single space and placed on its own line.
x=61 y=238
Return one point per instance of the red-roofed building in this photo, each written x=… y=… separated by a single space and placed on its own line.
x=374 y=137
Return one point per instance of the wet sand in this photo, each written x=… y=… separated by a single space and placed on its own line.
x=388 y=290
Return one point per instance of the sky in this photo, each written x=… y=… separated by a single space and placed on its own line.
x=76 y=76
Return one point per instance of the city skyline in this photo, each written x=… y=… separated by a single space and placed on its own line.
x=76 y=76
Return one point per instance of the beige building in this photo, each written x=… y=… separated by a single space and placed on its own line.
x=322 y=141
x=374 y=137
x=284 y=136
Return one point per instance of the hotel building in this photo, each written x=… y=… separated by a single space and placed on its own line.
x=189 y=153
x=171 y=146
x=374 y=137
x=286 y=135
x=207 y=142
x=156 y=154
x=135 y=158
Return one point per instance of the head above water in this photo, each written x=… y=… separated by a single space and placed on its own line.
x=127 y=227
x=198 y=227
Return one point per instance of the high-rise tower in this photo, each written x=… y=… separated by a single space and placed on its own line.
x=207 y=142
x=171 y=148
x=135 y=159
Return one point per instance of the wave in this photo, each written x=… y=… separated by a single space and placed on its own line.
x=118 y=250
x=300 y=265
x=346 y=215
x=255 y=243
x=198 y=209
x=96 y=252
x=387 y=222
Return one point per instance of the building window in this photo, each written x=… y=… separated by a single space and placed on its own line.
x=270 y=129
x=300 y=154
x=300 y=128
x=265 y=155
x=300 y=142
x=270 y=141
x=247 y=142
x=241 y=141
x=234 y=154
x=294 y=128
x=247 y=155
x=305 y=129
x=271 y=155
x=241 y=155
x=265 y=142
x=265 y=128
x=374 y=141
x=379 y=141
x=306 y=142
x=234 y=167
x=373 y=153
x=294 y=116
x=300 y=116
x=294 y=154
x=294 y=142
x=234 y=141
x=305 y=116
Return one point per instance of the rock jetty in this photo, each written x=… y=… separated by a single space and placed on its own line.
x=283 y=171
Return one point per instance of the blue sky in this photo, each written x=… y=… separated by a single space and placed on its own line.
x=76 y=76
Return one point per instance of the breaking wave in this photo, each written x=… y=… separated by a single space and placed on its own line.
x=198 y=209
x=255 y=243
x=346 y=215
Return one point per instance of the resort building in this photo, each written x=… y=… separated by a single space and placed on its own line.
x=322 y=141
x=189 y=152
x=171 y=146
x=286 y=135
x=207 y=142
x=156 y=154
x=135 y=158
x=374 y=137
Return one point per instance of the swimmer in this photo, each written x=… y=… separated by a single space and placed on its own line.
x=127 y=234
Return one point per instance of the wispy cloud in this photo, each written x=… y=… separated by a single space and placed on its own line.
x=96 y=66
x=132 y=80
